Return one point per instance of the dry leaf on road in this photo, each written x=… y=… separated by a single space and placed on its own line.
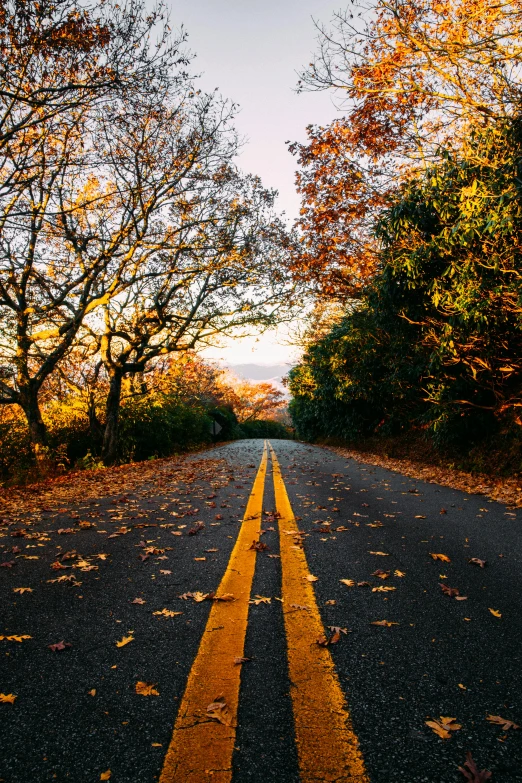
x=22 y=590
x=443 y=726
x=384 y=623
x=260 y=599
x=382 y=589
x=347 y=582
x=477 y=561
x=7 y=698
x=472 y=773
x=219 y=711
x=506 y=724
x=124 y=641
x=495 y=612
x=167 y=613
x=59 y=646
x=146 y=689
x=382 y=554
x=312 y=578
x=438 y=556
x=106 y=775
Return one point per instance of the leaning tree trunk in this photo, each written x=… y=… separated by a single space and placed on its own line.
x=112 y=415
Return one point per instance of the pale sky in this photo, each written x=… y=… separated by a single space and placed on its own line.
x=252 y=50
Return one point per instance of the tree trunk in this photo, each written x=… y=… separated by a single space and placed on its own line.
x=37 y=430
x=112 y=414
x=95 y=428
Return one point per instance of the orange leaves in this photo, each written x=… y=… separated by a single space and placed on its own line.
x=347 y=582
x=438 y=556
x=22 y=590
x=444 y=726
x=15 y=638
x=7 y=698
x=146 y=689
x=106 y=775
x=166 y=613
x=260 y=599
x=125 y=640
x=495 y=613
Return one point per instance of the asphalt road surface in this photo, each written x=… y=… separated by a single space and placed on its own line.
x=325 y=694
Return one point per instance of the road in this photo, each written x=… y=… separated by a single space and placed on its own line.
x=239 y=554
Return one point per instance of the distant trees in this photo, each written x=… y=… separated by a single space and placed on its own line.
x=126 y=231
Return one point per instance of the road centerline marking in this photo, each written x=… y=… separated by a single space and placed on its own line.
x=327 y=747
x=201 y=748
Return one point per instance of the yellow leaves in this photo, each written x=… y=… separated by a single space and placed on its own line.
x=124 y=641
x=399 y=573
x=438 y=556
x=506 y=724
x=382 y=589
x=381 y=574
x=197 y=596
x=15 y=638
x=382 y=554
x=444 y=726
x=347 y=582
x=260 y=599
x=495 y=613
x=7 y=698
x=312 y=578
x=146 y=689
x=219 y=711
x=22 y=590
x=166 y=613
x=384 y=623
x=106 y=775
x=92 y=692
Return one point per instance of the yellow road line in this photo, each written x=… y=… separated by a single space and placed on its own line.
x=327 y=747
x=201 y=748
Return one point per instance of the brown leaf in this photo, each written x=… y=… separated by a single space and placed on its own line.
x=381 y=574
x=59 y=646
x=146 y=689
x=347 y=582
x=506 y=724
x=322 y=641
x=382 y=589
x=384 y=623
x=138 y=601
x=260 y=599
x=219 y=711
x=167 y=613
x=438 y=556
x=472 y=773
x=477 y=561
x=239 y=661
x=258 y=546
x=224 y=597
x=451 y=591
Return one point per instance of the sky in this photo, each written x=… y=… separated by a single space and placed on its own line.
x=252 y=51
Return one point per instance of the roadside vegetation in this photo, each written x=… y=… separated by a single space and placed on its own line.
x=411 y=236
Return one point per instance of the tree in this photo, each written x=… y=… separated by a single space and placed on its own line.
x=251 y=401
x=412 y=78
x=66 y=238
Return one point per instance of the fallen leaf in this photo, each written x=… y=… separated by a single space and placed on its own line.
x=472 y=774
x=453 y=592
x=299 y=606
x=163 y=571
x=444 y=726
x=330 y=602
x=399 y=573
x=337 y=629
x=258 y=546
x=420 y=516
x=381 y=574
x=260 y=599
x=166 y=613
x=322 y=641
x=239 y=661
x=219 y=711
x=382 y=589
x=22 y=590
x=312 y=578
x=92 y=692
x=384 y=623
x=106 y=775
x=382 y=554
x=138 y=601
x=495 y=613
x=477 y=561
x=59 y=646
x=347 y=582
x=506 y=724
x=146 y=689
x=124 y=641
x=7 y=698
x=438 y=556
x=156 y=745
x=224 y=597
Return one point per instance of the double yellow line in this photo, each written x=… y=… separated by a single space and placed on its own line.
x=201 y=749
